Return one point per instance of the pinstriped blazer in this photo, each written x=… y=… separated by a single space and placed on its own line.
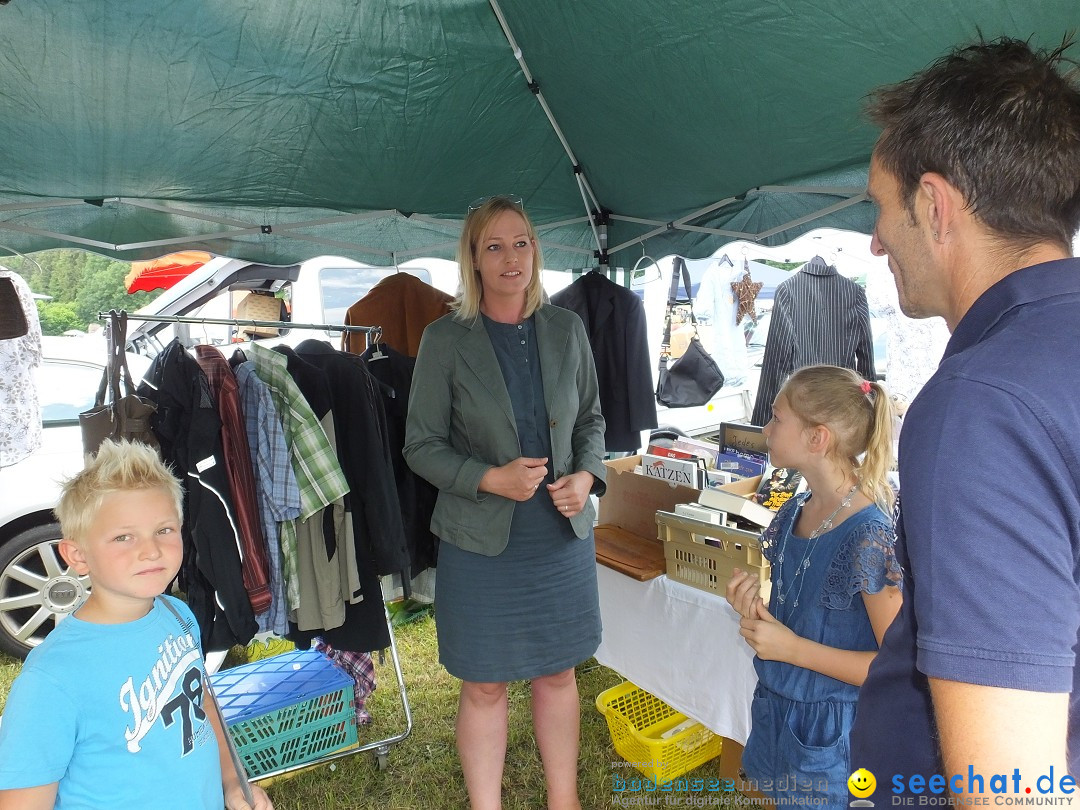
x=819 y=316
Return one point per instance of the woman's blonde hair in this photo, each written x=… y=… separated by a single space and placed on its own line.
x=118 y=467
x=858 y=413
x=477 y=224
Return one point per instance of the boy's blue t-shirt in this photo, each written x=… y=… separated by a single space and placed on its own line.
x=114 y=713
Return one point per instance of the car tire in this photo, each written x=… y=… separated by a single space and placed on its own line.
x=37 y=588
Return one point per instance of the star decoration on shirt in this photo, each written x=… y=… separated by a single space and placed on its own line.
x=746 y=290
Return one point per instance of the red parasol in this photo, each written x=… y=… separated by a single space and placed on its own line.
x=162 y=273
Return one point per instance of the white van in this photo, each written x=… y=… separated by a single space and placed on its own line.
x=316 y=292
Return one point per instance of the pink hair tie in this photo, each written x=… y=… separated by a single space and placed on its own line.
x=865 y=386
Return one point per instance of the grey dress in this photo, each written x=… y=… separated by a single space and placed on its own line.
x=533 y=609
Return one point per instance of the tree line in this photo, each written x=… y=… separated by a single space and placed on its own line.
x=78 y=284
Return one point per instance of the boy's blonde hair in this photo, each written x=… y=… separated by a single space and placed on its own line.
x=118 y=467
x=858 y=413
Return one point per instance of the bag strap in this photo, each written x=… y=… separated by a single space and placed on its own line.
x=208 y=690
x=119 y=353
x=679 y=272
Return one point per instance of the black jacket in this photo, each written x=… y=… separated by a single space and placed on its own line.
x=188 y=428
x=335 y=381
x=614 y=320
x=364 y=453
x=417 y=496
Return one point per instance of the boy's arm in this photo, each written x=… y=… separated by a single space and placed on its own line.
x=230 y=780
x=41 y=797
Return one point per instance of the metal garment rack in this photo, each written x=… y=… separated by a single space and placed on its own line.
x=380 y=748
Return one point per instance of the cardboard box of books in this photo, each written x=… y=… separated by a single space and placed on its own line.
x=632 y=499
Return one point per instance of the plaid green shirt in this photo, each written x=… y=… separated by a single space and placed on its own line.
x=314 y=459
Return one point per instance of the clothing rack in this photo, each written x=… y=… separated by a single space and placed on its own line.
x=373 y=333
x=380 y=748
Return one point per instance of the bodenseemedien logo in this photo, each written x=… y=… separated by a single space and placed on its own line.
x=862 y=785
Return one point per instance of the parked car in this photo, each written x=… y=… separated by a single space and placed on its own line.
x=317 y=291
x=37 y=589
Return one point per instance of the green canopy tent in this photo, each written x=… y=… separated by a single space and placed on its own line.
x=274 y=130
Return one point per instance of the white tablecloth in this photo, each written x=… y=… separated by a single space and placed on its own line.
x=681 y=644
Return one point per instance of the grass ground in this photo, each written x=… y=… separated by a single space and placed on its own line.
x=423 y=771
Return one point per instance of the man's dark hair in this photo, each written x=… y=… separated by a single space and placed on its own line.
x=1002 y=124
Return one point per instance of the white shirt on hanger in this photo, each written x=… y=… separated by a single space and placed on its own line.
x=715 y=307
x=20 y=414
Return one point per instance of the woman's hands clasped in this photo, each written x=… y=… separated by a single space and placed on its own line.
x=517 y=480
x=570 y=492
x=521 y=478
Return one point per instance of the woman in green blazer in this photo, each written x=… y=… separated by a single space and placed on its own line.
x=504 y=419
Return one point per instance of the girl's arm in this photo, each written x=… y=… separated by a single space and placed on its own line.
x=774 y=641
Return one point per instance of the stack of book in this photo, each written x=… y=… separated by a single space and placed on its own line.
x=685 y=461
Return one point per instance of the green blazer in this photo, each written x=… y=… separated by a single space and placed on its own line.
x=461 y=422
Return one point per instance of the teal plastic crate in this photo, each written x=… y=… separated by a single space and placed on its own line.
x=287 y=710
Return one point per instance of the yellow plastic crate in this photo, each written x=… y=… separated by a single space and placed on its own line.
x=637 y=722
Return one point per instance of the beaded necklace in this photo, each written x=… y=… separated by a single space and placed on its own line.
x=781 y=595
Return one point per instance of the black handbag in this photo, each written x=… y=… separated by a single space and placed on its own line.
x=123 y=416
x=694 y=378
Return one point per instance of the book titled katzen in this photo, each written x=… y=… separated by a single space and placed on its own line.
x=688 y=472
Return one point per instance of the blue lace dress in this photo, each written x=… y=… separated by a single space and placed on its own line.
x=798 y=744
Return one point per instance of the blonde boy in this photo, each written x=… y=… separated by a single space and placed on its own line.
x=109 y=710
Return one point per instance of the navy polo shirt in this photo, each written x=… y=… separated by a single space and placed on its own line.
x=989 y=532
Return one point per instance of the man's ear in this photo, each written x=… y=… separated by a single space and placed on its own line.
x=939 y=202
x=73 y=556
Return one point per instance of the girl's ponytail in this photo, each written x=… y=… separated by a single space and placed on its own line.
x=874 y=470
x=860 y=415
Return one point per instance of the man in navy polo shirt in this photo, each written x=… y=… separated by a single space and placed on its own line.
x=977 y=180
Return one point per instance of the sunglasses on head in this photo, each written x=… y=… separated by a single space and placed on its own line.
x=480 y=201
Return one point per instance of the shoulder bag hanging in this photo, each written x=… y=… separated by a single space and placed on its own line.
x=694 y=378
x=115 y=416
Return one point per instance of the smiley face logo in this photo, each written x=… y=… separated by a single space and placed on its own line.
x=861 y=783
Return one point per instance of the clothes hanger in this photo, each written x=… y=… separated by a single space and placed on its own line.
x=374 y=337
x=644 y=256
x=22 y=256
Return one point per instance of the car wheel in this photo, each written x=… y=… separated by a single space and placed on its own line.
x=37 y=588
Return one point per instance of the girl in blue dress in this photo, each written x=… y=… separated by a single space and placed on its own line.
x=835 y=583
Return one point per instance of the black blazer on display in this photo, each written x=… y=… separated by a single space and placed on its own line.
x=614 y=320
